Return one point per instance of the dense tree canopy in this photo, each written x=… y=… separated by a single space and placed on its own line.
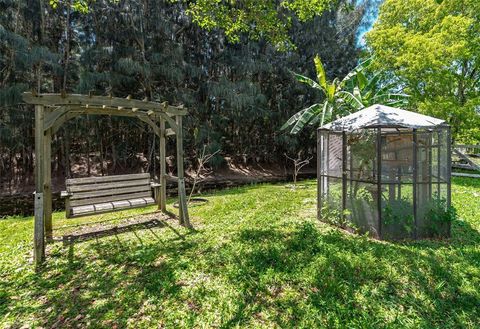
x=432 y=49
x=238 y=94
x=268 y=19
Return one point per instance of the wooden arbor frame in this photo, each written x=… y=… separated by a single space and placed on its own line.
x=53 y=110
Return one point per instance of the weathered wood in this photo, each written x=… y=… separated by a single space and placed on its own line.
x=465 y=175
x=106 y=186
x=169 y=132
x=99 y=101
x=102 y=194
x=39 y=229
x=47 y=183
x=115 y=191
x=39 y=241
x=467 y=159
x=107 y=179
x=129 y=113
x=183 y=210
x=68 y=207
x=53 y=116
x=467 y=146
x=163 y=169
x=462 y=166
x=156 y=192
x=110 y=207
x=185 y=220
x=106 y=192
x=110 y=198
x=173 y=125
x=123 y=204
x=62 y=120
x=152 y=124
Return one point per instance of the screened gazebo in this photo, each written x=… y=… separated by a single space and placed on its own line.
x=385 y=171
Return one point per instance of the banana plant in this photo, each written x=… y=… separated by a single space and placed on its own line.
x=341 y=97
x=369 y=91
x=318 y=113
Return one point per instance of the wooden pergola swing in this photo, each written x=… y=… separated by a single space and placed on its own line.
x=53 y=110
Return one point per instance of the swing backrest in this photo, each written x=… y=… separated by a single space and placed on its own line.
x=91 y=195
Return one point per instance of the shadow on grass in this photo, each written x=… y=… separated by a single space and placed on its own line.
x=76 y=238
x=467 y=181
x=343 y=278
x=297 y=274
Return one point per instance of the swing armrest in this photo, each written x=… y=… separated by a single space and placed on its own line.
x=156 y=190
x=65 y=194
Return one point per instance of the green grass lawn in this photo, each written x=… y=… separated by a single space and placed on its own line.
x=258 y=258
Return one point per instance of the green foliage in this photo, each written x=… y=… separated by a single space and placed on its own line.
x=439 y=212
x=432 y=48
x=356 y=91
x=237 y=94
x=258 y=258
x=257 y=19
x=399 y=213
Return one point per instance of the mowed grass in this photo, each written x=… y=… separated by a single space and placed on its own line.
x=257 y=258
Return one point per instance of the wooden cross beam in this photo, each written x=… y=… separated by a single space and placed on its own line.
x=100 y=101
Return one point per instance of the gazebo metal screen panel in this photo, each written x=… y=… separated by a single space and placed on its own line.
x=361 y=164
x=385 y=180
x=330 y=178
x=396 y=182
x=334 y=155
x=361 y=176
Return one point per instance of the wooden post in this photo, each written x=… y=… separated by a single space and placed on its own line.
x=39 y=229
x=162 y=205
x=47 y=183
x=183 y=210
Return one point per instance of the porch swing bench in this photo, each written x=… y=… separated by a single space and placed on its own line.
x=90 y=196
x=97 y=195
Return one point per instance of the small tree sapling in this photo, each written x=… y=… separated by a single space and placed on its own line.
x=298 y=164
x=202 y=160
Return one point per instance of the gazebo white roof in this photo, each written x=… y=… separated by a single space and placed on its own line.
x=382 y=116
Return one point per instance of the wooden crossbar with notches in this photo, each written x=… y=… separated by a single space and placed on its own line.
x=105 y=102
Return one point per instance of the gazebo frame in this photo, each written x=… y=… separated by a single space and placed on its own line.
x=54 y=110
x=400 y=159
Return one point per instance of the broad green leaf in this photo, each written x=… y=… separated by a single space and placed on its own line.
x=321 y=75
x=307 y=80
x=325 y=115
x=357 y=93
x=305 y=118
x=348 y=78
x=362 y=80
x=331 y=89
x=351 y=100
x=372 y=83
x=294 y=118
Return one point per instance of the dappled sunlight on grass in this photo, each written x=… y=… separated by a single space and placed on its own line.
x=257 y=258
